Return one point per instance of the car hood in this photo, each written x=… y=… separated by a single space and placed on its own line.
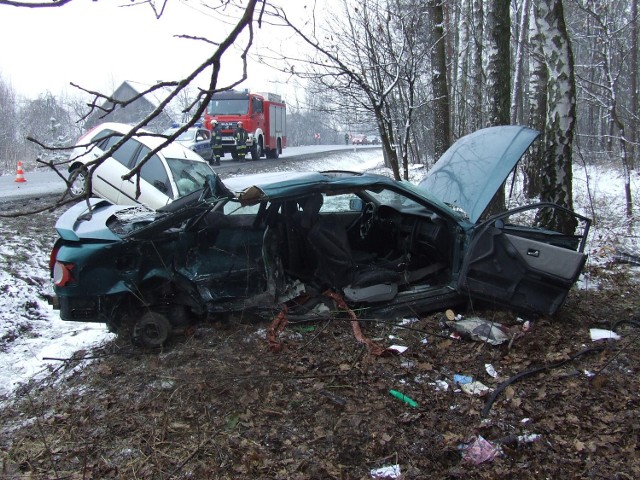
x=472 y=170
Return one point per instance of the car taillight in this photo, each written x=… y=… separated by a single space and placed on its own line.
x=54 y=255
x=62 y=274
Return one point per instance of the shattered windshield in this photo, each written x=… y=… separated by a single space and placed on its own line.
x=188 y=174
x=393 y=199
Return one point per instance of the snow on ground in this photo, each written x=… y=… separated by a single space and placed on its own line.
x=32 y=335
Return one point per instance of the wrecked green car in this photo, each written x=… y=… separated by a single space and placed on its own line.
x=260 y=243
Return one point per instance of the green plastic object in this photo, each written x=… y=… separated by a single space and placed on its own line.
x=401 y=396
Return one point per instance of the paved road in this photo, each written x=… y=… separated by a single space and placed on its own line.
x=43 y=182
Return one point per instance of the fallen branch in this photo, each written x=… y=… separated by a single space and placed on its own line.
x=532 y=371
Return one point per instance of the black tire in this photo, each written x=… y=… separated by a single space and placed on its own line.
x=256 y=151
x=79 y=182
x=273 y=154
x=150 y=331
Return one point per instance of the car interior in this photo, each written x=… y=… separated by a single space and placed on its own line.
x=343 y=241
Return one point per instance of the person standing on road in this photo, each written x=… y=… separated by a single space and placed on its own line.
x=241 y=142
x=346 y=139
x=216 y=142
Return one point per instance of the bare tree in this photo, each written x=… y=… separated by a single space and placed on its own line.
x=246 y=14
x=8 y=125
x=357 y=56
x=609 y=54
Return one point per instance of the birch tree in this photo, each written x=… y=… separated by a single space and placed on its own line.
x=477 y=78
x=517 y=90
x=538 y=79
x=561 y=115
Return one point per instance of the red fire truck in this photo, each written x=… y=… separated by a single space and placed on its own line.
x=263 y=116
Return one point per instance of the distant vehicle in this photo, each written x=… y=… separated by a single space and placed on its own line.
x=197 y=139
x=359 y=139
x=255 y=242
x=173 y=172
x=263 y=116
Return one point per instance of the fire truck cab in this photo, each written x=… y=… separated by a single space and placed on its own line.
x=263 y=116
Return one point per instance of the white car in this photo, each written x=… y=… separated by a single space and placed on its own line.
x=173 y=172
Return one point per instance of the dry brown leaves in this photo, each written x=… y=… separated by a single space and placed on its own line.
x=220 y=404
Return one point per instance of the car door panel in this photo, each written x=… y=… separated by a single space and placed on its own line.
x=517 y=268
x=227 y=261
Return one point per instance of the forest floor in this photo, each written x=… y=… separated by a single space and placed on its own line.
x=220 y=403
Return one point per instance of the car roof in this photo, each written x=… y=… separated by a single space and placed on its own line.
x=173 y=150
x=261 y=186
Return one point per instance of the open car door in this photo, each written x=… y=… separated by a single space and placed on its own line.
x=525 y=267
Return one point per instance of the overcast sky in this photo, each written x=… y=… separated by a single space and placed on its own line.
x=98 y=45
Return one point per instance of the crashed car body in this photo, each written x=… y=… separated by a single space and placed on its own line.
x=257 y=242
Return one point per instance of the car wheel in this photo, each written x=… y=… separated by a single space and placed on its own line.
x=273 y=154
x=256 y=151
x=151 y=330
x=79 y=182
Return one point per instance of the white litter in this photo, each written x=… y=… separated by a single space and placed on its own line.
x=602 y=334
x=392 y=471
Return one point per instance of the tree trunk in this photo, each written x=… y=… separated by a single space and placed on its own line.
x=441 y=126
x=538 y=77
x=477 y=79
x=516 y=96
x=498 y=78
x=633 y=123
x=561 y=115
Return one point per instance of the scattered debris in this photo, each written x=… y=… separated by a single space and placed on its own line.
x=462 y=379
x=441 y=385
x=399 y=349
x=602 y=334
x=479 y=450
x=476 y=388
x=392 y=471
x=481 y=330
x=491 y=370
x=401 y=396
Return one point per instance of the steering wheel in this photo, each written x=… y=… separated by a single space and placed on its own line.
x=366 y=220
